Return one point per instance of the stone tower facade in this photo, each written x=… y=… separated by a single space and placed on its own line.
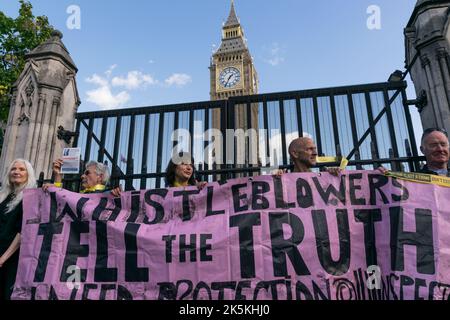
x=233 y=73
x=232 y=70
x=427 y=41
x=45 y=97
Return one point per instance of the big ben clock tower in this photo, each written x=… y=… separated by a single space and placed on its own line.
x=232 y=70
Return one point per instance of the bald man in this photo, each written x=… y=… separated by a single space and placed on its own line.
x=303 y=152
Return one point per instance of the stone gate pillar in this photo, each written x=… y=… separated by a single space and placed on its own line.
x=44 y=97
x=427 y=38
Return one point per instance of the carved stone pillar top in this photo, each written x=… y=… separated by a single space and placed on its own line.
x=56 y=100
x=23 y=118
x=425 y=61
x=30 y=88
x=441 y=53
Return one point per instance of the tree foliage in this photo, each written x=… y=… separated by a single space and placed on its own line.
x=17 y=38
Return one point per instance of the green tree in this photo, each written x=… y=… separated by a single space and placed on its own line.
x=17 y=38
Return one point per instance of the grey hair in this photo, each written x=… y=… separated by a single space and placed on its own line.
x=100 y=168
x=8 y=188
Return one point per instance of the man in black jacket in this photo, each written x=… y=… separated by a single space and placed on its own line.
x=435 y=147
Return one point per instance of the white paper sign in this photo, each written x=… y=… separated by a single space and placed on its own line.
x=71 y=160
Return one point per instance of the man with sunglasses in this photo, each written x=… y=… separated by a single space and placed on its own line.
x=435 y=146
x=93 y=180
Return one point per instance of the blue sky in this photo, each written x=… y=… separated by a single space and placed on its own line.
x=141 y=53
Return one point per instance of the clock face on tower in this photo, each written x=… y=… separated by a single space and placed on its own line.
x=229 y=77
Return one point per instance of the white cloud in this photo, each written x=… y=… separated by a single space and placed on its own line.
x=105 y=99
x=134 y=80
x=96 y=79
x=274 y=54
x=110 y=70
x=151 y=61
x=178 y=79
x=275 y=61
x=104 y=96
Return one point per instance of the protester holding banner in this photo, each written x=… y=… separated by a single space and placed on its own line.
x=19 y=176
x=180 y=171
x=57 y=176
x=303 y=152
x=93 y=180
x=435 y=147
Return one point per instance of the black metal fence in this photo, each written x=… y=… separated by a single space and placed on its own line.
x=370 y=124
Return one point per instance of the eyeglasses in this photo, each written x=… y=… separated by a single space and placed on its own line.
x=87 y=172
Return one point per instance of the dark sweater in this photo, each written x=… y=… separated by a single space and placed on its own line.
x=428 y=171
x=10 y=223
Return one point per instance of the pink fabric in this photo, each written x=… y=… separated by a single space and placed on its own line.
x=230 y=273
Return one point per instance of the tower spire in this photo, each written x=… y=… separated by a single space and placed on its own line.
x=232 y=18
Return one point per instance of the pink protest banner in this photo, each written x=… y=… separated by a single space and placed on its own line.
x=360 y=236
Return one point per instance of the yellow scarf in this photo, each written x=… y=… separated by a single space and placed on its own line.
x=97 y=187
x=177 y=184
x=421 y=178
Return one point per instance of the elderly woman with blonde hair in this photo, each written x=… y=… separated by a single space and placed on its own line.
x=18 y=177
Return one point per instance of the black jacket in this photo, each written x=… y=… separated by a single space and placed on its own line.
x=10 y=223
x=428 y=171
